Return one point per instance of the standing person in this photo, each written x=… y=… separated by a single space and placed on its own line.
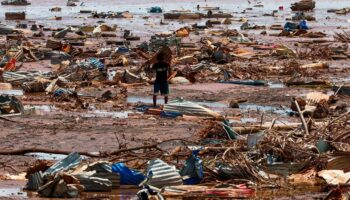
x=161 y=85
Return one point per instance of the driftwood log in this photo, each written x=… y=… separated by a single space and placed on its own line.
x=55 y=151
x=85 y=153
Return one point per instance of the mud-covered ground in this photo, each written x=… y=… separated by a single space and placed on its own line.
x=115 y=124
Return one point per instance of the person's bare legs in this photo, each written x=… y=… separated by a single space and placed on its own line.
x=154 y=100
x=165 y=99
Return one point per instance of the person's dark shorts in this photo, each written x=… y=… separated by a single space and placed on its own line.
x=162 y=88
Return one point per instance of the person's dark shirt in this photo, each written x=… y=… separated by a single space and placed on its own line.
x=161 y=69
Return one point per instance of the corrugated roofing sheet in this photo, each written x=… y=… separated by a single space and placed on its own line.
x=163 y=174
x=189 y=108
x=68 y=162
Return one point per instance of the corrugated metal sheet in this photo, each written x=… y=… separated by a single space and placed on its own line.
x=68 y=162
x=35 y=181
x=131 y=78
x=313 y=98
x=339 y=163
x=113 y=177
x=23 y=76
x=189 y=108
x=163 y=174
x=94 y=184
x=100 y=167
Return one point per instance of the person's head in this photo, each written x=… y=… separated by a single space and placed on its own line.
x=160 y=57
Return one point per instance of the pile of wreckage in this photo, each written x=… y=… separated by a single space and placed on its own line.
x=213 y=60
x=268 y=157
x=15 y=2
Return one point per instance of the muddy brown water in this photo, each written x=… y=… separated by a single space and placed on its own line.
x=306 y=192
x=39 y=12
x=19 y=193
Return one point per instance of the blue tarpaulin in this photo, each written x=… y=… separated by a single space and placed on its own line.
x=127 y=176
x=61 y=91
x=123 y=50
x=289 y=26
x=96 y=63
x=193 y=169
x=170 y=114
x=303 y=25
x=156 y=9
x=92 y=63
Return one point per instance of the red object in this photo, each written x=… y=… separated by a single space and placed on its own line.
x=153 y=111
x=281 y=8
x=66 y=48
x=11 y=65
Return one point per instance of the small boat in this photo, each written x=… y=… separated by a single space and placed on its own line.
x=15 y=2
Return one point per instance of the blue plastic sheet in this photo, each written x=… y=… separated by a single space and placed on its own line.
x=170 y=114
x=156 y=9
x=122 y=50
x=92 y=63
x=61 y=91
x=193 y=169
x=96 y=63
x=303 y=25
x=143 y=108
x=127 y=176
x=289 y=26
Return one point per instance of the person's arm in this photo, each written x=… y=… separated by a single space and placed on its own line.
x=152 y=67
x=169 y=70
x=170 y=73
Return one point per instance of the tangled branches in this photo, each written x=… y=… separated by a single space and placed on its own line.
x=319 y=52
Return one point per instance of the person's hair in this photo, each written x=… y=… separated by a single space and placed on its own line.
x=160 y=56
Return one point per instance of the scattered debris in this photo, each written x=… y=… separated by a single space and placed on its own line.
x=15 y=2
x=303 y=5
x=266 y=104
x=15 y=16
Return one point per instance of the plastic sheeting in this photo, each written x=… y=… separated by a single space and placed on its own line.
x=289 y=26
x=303 y=25
x=193 y=169
x=127 y=176
x=155 y=9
